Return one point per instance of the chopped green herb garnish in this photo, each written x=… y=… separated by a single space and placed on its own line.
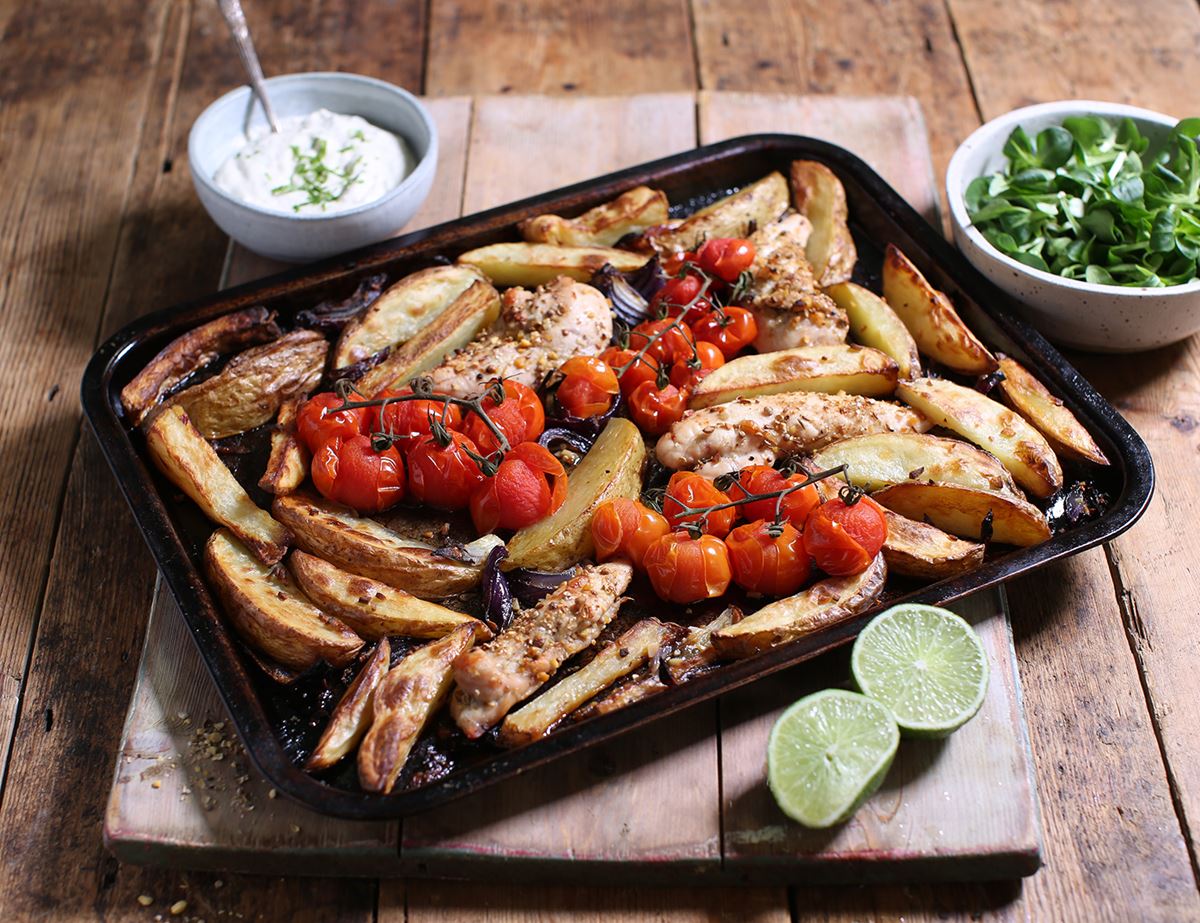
x=357 y=135
x=315 y=178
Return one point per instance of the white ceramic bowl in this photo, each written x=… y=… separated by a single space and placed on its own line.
x=1101 y=318
x=220 y=131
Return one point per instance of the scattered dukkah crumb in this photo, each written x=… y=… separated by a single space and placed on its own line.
x=145 y=900
x=178 y=907
x=272 y=794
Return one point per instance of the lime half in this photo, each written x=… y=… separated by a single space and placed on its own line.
x=925 y=664
x=827 y=754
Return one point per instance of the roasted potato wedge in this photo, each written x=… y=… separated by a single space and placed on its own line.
x=287 y=465
x=472 y=311
x=874 y=324
x=697 y=649
x=641 y=685
x=1048 y=415
x=823 y=604
x=602 y=226
x=249 y=390
x=374 y=609
x=531 y=265
x=270 y=612
x=190 y=352
x=401 y=311
x=917 y=549
x=878 y=461
x=833 y=368
x=978 y=515
x=618 y=659
x=818 y=195
x=410 y=693
x=353 y=713
x=991 y=426
x=611 y=468
x=931 y=318
x=736 y=215
x=364 y=547
x=193 y=466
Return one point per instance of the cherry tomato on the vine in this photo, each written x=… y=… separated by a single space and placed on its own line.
x=672 y=263
x=726 y=257
x=683 y=569
x=843 y=538
x=763 y=479
x=627 y=528
x=656 y=409
x=443 y=474
x=686 y=374
x=317 y=421
x=588 y=386
x=666 y=340
x=681 y=295
x=519 y=415
x=346 y=469
x=408 y=421
x=636 y=369
x=762 y=562
x=529 y=485
x=686 y=489
x=732 y=330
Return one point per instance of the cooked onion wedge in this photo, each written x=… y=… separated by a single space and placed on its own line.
x=1030 y=398
x=401 y=311
x=604 y=225
x=248 y=391
x=353 y=713
x=737 y=215
x=880 y=460
x=823 y=604
x=917 y=549
x=874 y=324
x=374 y=609
x=967 y=513
x=930 y=317
x=193 y=465
x=819 y=196
x=412 y=691
x=287 y=465
x=270 y=612
x=364 y=547
x=991 y=426
x=531 y=265
x=833 y=368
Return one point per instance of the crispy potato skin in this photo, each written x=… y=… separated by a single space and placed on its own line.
x=819 y=195
x=353 y=713
x=962 y=511
x=186 y=458
x=269 y=611
x=991 y=426
x=531 y=265
x=604 y=225
x=931 y=317
x=190 y=352
x=287 y=465
x=736 y=215
x=612 y=468
x=917 y=549
x=874 y=324
x=1047 y=414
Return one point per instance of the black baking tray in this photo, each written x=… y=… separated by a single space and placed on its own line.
x=175 y=531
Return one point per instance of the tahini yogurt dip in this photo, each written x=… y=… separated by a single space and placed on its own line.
x=321 y=163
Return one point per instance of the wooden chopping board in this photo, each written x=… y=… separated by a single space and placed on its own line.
x=683 y=798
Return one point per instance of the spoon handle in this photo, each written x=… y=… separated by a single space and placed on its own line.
x=235 y=17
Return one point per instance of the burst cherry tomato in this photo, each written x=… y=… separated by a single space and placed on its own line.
x=774 y=565
x=408 y=421
x=726 y=257
x=528 y=486
x=317 y=422
x=686 y=374
x=627 y=528
x=637 y=370
x=672 y=262
x=843 y=538
x=763 y=479
x=683 y=569
x=518 y=414
x=588 y=386
x=656 y=409
x=668 y=339
x=442 y=473
x=678 y=294
x=732 y=332
x=688 y=489
x=348 y=470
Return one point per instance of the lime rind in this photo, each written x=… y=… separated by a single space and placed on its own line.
x=926 y=664
x=827 y=754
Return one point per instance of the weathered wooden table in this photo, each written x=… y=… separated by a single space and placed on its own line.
x=101 y=224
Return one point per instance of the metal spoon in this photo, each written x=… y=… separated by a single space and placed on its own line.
x=236 y=19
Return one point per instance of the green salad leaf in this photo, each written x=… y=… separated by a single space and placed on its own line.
x=1091 y=200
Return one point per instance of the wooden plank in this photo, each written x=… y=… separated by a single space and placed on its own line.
x=545 y=46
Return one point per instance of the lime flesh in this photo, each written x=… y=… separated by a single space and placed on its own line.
x=925 y=664
x=827 y=754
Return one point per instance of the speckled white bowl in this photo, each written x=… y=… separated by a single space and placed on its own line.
x=1100 y=318
x=220 y=131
